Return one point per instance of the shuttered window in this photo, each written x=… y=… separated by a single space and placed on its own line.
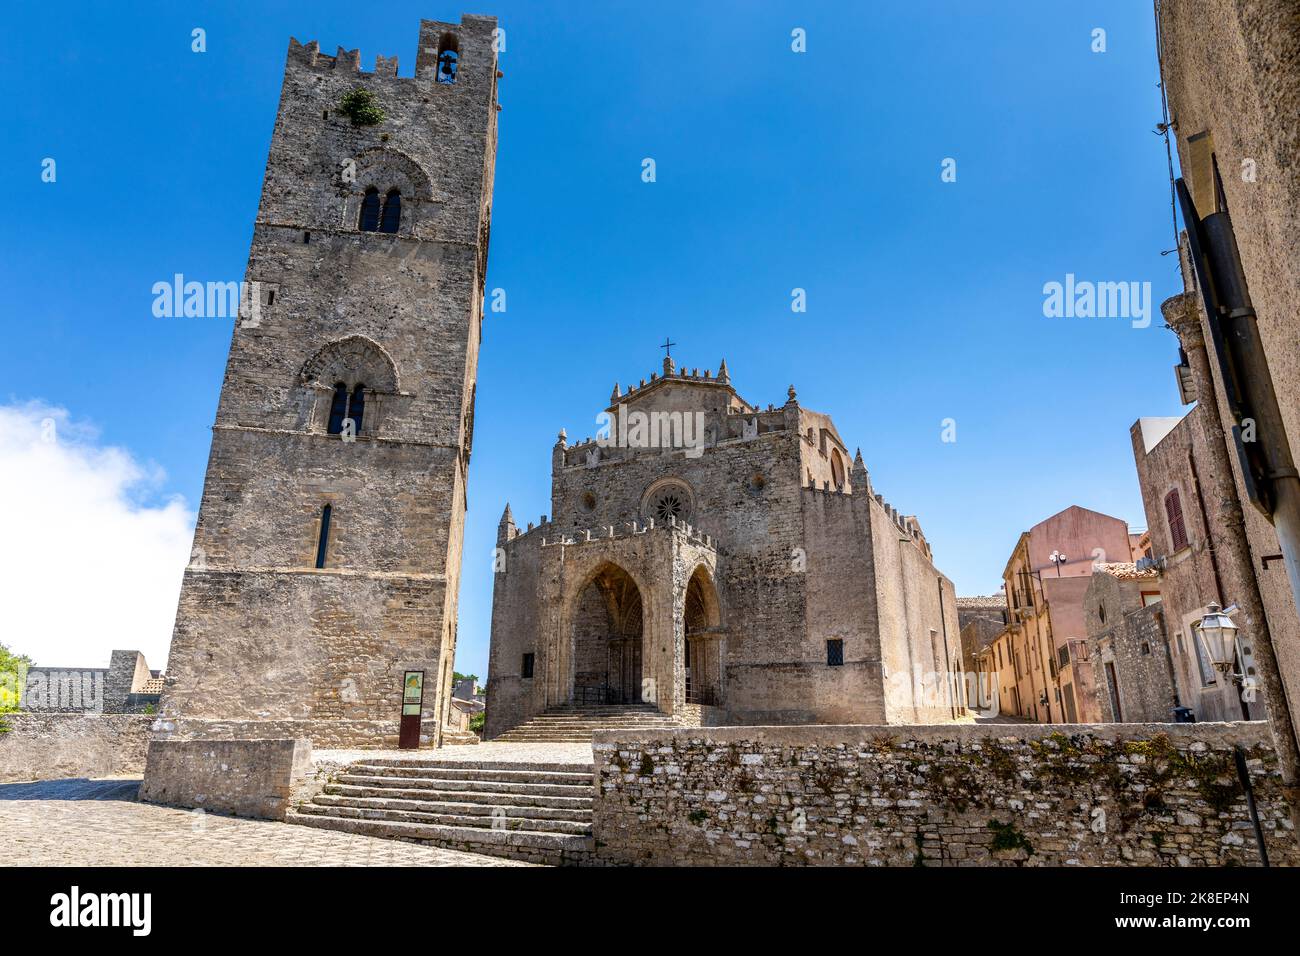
x=1177 y=526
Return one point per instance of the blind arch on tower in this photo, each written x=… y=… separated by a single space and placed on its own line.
x=355 y=360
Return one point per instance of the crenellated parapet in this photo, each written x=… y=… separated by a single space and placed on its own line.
x=432 y=64
x=309 y=55
x=631 y=529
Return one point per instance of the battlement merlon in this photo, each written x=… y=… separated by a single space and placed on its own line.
x=474 y=39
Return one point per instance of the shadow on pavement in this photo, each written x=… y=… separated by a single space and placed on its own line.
x=79 y=788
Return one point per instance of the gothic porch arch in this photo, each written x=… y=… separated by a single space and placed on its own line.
x=606 y=636
x=703 y=649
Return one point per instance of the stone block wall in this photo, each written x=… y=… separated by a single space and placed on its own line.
x=49 y=746
x=944 y=795
x=1129 y=647
x=247 y=778
x=261 y=632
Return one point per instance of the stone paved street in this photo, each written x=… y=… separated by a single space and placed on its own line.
x=97 y=823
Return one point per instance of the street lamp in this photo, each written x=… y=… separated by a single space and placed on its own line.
x=1057 y=559
x=1218 y=636
x=1219 y=639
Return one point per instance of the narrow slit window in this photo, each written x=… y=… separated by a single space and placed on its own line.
x=526 y=668
x=322 y=546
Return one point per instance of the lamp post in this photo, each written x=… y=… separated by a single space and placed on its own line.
x=1057 y=559
x=1218 y=637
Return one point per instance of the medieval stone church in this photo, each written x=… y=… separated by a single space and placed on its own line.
x=741 y=572
x=724 y=563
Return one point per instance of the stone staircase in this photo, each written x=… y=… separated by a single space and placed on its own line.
x=540 y=812
x=574 y=723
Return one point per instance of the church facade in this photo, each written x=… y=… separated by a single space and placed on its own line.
x=727 y=563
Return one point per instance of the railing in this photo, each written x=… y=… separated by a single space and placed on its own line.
x=707 y=696
x=602 y=694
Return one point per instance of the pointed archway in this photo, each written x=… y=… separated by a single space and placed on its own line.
x=607 y=639
x=702 y=619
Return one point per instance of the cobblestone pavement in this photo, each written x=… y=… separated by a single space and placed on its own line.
x=97 y=823
x=510 y=753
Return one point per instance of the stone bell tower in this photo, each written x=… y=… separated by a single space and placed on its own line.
x=327 y=556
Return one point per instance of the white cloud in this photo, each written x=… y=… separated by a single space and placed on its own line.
x=90 y=561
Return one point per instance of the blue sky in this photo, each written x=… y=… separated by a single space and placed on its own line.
x=775 y=170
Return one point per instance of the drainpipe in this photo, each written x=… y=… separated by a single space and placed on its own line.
x=1270 y=473
x=1182 y=316
x=1169 y=658
x=947 y=656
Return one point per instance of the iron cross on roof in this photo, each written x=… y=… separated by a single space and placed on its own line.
x=668 y=346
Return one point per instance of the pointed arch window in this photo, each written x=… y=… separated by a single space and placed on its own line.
x=370 y=211
x=338 y=408
x=356 y=407
x=392 y=214
x=346 y=407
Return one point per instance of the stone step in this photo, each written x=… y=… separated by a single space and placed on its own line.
x=601 y=708
x=583 y=715
x=469 y=795
x=587 y=727
x=579 y=814
x=453 y=772
x=479 y=786
x=434 y=763
x=553 y=848
x=505 y=822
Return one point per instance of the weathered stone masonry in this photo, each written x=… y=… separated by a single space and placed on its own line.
x=49 y=746
x=951 y=795
x=722 y=575
x=265 y=642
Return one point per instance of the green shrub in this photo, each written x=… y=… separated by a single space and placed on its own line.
x=360 y=107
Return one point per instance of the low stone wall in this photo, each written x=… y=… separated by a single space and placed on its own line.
x=48 y=746
x=324 y=734
x=950 y=795
x=247 y=778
